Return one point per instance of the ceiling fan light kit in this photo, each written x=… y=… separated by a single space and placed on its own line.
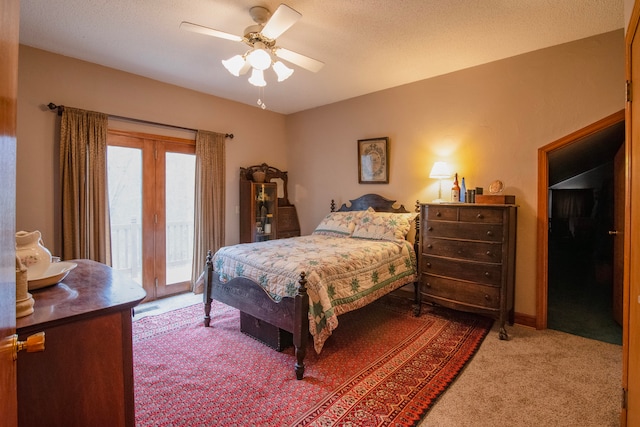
x=262 y=40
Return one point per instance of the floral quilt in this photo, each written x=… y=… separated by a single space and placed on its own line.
x=343 y=274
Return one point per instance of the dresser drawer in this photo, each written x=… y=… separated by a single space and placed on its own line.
x=461 y=292
x=464 y=230
x=474 y=251
x=487 y=273
x=465 y=213
x=481 y=215
x=442 y=213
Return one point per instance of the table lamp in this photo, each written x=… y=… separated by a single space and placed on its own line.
x=440 y=171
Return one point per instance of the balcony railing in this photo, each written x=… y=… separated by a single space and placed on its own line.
x=126 y=252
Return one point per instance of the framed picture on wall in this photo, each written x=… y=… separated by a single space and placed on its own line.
x=373 y=161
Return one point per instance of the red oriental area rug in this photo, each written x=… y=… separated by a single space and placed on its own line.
x=381 y=367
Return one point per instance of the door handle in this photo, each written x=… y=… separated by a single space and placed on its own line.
x=613 y=232
x=34 y=343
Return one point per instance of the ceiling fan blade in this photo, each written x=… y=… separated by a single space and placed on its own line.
x=188 y=26
x=281 y=20
x=299 y=60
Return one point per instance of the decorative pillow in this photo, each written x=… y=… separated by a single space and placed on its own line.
x=383 y=225
x=339 y=224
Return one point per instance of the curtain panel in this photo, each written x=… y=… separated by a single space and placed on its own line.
x=85 y=208
x=209 y=210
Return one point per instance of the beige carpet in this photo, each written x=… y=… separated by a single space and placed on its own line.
x=537 y=378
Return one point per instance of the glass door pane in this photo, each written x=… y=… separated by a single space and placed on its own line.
x=179 y=208
x=124 y=171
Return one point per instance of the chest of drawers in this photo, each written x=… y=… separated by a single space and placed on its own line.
x=467 y=258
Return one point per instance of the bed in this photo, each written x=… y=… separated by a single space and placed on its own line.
x=301 y=285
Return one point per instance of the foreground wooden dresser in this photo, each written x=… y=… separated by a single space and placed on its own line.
x=467 y=258
x=84 y=377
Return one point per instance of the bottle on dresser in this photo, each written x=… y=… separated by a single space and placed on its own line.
x=463 y=191
x=455 y=190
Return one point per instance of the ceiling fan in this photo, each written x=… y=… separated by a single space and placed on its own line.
x=261 y=38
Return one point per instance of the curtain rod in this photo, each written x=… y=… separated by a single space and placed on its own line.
x=60 y=109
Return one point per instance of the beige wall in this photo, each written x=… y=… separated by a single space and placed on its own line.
x=45 y=77
x=628 y=8
x=487 y=122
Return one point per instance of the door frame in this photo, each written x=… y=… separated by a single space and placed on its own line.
x=543 y=208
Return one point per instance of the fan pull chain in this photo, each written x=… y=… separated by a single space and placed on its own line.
x=261 y=103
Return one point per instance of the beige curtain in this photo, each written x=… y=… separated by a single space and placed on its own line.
x=209 y=200
x=85 y=208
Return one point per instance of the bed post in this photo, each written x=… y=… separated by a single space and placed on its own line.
x=417 y=307
x=301 y=325
x=206 y=294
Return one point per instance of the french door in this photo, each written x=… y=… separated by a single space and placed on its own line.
x=151 y=200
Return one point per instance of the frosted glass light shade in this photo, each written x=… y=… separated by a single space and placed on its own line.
x=282 y=71
x=236 y=65
x=259 y=59
x=257 y=78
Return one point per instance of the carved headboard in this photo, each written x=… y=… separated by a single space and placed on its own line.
x=375 y=201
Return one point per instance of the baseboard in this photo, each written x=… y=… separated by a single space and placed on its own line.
x=525 y=320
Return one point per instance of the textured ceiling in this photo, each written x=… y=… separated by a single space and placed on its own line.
x=366 y=45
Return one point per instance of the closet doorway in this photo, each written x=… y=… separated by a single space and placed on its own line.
x=151 y=181
x=579 y=264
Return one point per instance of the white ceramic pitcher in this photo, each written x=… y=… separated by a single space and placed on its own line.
x=32 y=253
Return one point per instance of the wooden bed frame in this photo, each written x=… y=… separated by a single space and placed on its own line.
x=291 y=313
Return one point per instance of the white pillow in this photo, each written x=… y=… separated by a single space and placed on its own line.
x=339 y=224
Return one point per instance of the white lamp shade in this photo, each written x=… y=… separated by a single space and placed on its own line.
x=236 y=65
x=257 y=78
x=282 y=71
x=259 y=58
x=440 y=170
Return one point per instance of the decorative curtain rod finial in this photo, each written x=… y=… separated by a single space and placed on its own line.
x=53 y=106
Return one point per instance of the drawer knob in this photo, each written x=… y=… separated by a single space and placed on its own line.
x=489 y=253
x=487 y=297
x=429 y=264
x=429 y=246
x=489 y=233
x=487 y=274
x=428 y=285
x=479 y=216
x=438 y=213
x=430 y=228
